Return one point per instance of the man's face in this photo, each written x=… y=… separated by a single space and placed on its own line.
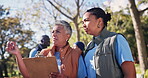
x=45 y=41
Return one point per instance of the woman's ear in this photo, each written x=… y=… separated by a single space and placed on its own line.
x=68 y=36
x=100 y=23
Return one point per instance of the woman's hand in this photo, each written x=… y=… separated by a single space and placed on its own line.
x=12 y=48
x=57 y=75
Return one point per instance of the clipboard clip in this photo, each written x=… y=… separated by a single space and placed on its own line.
x=39 y=55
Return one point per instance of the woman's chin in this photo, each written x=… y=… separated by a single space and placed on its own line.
x=89 y=33
x=54 y=43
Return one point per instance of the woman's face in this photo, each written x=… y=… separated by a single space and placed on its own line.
x=90 y=24
x=59 y=36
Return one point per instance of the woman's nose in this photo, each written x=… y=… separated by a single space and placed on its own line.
x=84 y=26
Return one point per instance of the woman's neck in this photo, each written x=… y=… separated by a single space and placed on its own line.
x=60 y=47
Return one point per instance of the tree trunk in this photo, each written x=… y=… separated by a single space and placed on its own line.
x=77 y=31
x=5 y=70
x=139 y=36
x=1 y=72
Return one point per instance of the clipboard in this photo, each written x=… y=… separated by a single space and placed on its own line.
x=41 y=67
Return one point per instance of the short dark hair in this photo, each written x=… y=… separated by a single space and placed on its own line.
x=98 y=12
x=45 y=37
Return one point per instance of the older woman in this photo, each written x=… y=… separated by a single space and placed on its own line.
x=67 y=57
x=108 y=55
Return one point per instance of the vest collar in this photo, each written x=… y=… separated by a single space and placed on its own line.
x=97 y=40
x=104 y=34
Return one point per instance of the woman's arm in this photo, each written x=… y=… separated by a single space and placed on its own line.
x=13 y=49
x=124 y=57
x=22 y=66
x=128 y=69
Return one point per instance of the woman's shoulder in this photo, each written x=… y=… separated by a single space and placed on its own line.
x=76 y=51
x=45 y=51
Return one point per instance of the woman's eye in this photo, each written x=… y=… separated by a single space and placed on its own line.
x=86 y=20
x=55 y=31
x=58 y=31
x=52 y=32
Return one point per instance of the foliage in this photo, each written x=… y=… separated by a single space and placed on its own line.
x=138 y=71
x=146 y=74
x=11 y=29
x=122 y=23
x=35 y=17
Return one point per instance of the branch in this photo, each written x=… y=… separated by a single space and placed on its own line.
x=63 y=7
x=142 y=11
x=59 y=10
x=78 y=7
x=82 y=3
x=79 y=23
x=54 y=16
x=45 y=7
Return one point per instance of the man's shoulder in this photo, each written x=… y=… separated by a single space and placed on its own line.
x=33 y=50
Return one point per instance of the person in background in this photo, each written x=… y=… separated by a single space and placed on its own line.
x=81 y=47
x=45 y=42
x=108 y=55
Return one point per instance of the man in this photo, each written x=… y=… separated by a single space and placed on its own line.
x=45 y=42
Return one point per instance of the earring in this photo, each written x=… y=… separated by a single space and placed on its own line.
x=98 y=26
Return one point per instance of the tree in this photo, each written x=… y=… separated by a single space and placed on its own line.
x=11 y=29
x=71 y=13
x=141 y=46
x=122 y=23
x=36 y=18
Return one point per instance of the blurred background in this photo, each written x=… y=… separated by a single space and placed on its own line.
x=25 y=21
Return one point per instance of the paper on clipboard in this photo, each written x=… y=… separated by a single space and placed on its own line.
x=40 y=67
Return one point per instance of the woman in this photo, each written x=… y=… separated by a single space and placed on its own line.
x=108 y=55
x=67 y=57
